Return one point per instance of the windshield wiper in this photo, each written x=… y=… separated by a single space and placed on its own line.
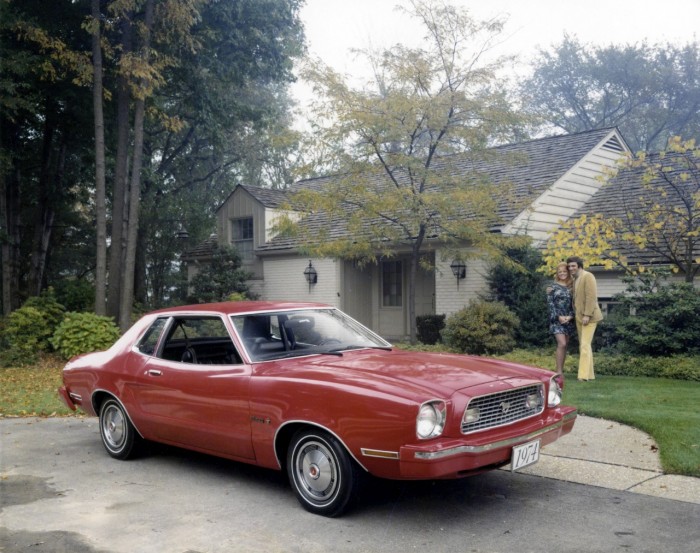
x=357 y=346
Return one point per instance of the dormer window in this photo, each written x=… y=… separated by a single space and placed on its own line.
x=242 y=238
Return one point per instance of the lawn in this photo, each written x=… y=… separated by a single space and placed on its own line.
x=666 y=409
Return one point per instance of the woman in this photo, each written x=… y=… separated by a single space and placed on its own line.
x=561 y=312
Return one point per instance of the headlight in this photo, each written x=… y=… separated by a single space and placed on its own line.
x=431 y=419
x=554 y=397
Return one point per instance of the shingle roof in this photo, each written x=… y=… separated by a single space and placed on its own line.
x=621 y=199
x=203 y=250
x=269 y=197
x=528 y=167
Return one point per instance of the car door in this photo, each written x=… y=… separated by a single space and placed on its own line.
x=197 y=404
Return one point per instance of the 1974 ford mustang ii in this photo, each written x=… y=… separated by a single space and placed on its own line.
x=304 y=388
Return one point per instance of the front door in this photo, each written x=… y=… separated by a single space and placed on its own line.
x=392 y=299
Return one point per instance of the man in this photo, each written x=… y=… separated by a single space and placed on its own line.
x=587 y=312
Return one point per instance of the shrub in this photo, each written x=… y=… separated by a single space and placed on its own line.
x=83 y=333
x=76 y=294
x=220 y=278
x=429 y=328
x=659 y=323
x=516 y=282
x=49 y=307
x=678 y=367
x=25 y=334
x=481 y=328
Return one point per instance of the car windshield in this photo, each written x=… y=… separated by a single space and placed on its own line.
x=275 y=335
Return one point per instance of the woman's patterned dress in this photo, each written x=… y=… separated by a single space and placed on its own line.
x=560 y=304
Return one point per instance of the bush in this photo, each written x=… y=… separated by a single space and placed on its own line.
x=481 y=328
x=516 y=282
x=429 y=328
x=83 y=333
x=49 y=307
x=76 y=294
x=26 y=333
x=220 y=278
x=678 y=367
x=659 y=323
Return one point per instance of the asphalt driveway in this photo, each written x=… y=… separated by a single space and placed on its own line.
x=60 y=492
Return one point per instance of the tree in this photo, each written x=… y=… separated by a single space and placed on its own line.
x=220 y=278
x=392 y=143
x=516 y=282
x=42 y=167
x=656 y=221
x=651 y=92
x=213 y=82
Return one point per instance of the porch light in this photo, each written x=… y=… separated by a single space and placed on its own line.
x=310 y=275
x=459 y=270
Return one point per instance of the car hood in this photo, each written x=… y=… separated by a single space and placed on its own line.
x=441 y=373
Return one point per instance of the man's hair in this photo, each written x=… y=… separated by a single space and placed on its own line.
x=575 y=259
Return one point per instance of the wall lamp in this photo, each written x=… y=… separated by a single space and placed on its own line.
x=459 y=270
x=310 y=275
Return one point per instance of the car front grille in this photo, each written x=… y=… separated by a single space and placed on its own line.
x=504 y=408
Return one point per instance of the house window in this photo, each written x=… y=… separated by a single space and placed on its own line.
x=391 y=284
x=242 y=238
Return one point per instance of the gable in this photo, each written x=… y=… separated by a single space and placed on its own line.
x=571 y=191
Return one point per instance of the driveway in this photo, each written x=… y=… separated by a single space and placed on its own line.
x=60 y=492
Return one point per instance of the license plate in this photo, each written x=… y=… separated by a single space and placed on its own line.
x=524 y=455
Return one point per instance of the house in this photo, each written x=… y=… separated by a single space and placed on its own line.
x=553 y=178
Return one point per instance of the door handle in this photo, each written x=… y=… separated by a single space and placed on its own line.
x=154 y=372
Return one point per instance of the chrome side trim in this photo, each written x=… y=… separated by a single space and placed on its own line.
x=76 y=397
x=431 y=455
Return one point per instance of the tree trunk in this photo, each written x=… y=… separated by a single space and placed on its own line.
x=100 y=186
x=412 y=275
x=49 y=185
x=127 y=292
x=10 y=226
x=120 y=197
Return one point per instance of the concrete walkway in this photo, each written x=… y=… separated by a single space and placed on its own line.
x=603 y=453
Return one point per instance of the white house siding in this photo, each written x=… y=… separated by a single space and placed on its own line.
x=448 y=296
x=284 y=280
x=566 y=195
x=610 y=283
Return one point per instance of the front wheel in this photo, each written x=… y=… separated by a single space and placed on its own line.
x=118 y=434
x=323 y=476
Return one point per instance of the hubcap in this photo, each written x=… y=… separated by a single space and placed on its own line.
x=317 y=471
x=114 y=427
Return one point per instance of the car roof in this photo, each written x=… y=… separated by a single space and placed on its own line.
x=238 y=307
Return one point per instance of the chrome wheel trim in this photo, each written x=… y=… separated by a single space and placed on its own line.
x=114 y=427
x=316 y=472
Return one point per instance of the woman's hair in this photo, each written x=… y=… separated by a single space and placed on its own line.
x=569 y=281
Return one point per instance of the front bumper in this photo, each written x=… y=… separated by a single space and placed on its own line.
x=455 y=458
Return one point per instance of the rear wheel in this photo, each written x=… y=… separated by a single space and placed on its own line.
x=323 y=476
x=118 y=434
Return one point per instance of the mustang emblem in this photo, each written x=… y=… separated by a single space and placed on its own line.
x=505 y=407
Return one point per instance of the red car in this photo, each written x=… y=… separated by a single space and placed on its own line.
x=304 y=388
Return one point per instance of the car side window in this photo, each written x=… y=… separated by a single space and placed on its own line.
x=149 y=342
x=199 y=341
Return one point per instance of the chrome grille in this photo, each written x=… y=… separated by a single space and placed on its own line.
x=504 y=407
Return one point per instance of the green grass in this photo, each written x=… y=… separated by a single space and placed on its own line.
x=666 y=409
x=32 y=391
